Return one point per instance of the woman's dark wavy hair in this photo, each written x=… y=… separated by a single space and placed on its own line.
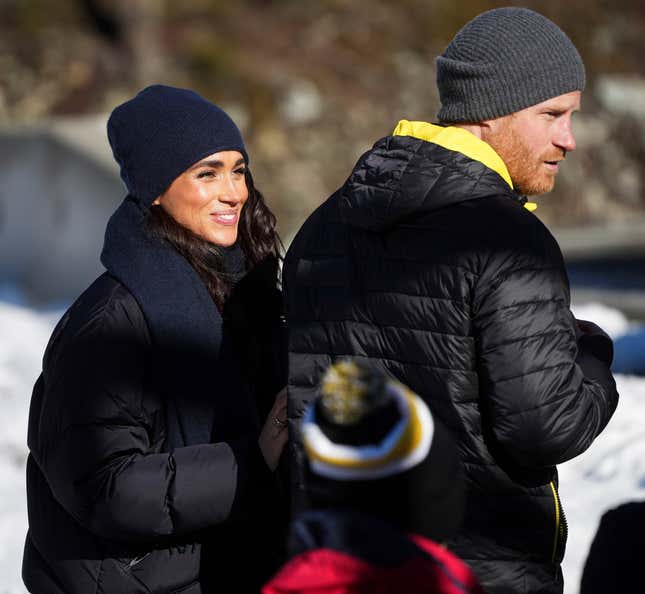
x=257 y=236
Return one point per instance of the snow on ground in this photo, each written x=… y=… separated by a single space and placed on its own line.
x=610 y=472
x=610 y=320
x=23 y=336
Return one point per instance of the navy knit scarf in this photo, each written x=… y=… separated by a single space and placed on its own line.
x=185 y=325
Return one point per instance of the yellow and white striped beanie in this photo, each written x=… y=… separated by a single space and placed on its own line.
x=365 y=426
x=374 y=447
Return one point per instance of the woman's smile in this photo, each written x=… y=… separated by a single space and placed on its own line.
x=226 y=218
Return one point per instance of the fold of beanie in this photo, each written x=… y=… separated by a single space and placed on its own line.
x=161 y=132
x=505 y=60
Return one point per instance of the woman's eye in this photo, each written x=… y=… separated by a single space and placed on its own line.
x=206 y=174
x=240 y=171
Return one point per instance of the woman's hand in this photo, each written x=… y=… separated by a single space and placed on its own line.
x=274 y=434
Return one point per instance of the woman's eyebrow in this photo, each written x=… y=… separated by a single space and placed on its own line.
x=216 y=164
x=209 y=163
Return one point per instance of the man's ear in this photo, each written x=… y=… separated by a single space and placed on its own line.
x=489 y=127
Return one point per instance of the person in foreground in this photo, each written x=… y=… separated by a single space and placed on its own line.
x=385 y=486
x=151 y=462
x=428 y=263
x=614 y=557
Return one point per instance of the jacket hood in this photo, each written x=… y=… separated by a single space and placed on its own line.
x=340 y=551
x=353 y=533
x=344 y=551
x=420 y=168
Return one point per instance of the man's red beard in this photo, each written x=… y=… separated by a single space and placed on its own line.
x=527 y=170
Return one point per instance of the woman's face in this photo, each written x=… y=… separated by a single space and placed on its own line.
x=208 y=197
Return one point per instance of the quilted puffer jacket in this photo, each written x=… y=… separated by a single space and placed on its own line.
x=113 y=508
x=427 y=263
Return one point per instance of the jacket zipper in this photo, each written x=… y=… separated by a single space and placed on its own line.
x=137 y=560
x=561 y=526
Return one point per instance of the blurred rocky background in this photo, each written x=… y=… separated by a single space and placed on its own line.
x=311 y=83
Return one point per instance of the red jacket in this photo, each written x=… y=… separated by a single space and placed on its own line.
x=345 y=554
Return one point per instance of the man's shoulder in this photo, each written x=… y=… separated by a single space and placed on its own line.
x=503 y=220
x=317 y=229
x=494 y=221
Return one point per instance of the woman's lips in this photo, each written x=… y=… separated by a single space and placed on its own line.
x=225 y=218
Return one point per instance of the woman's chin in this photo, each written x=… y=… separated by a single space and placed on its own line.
x=224 y=238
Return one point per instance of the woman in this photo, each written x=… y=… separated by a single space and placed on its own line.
x=151 y=469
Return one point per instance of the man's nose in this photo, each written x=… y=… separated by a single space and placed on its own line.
x=565 y=138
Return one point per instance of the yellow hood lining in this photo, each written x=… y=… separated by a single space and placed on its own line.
x=461 y=141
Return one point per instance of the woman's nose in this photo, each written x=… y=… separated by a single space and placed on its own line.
x=230 y=193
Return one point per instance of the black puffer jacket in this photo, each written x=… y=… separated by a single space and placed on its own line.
x=115 y=504
x=427 y=263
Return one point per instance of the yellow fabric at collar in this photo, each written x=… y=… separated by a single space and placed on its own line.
x=459 y=140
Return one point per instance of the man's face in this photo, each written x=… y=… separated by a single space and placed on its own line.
x=533 y=141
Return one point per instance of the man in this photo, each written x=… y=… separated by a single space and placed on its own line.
x=427 y=263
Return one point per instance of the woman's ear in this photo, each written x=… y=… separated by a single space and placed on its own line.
x=157 y=201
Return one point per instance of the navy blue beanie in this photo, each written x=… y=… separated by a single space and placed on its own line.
x=161 y=132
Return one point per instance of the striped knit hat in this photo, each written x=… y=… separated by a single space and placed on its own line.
x=373 y=445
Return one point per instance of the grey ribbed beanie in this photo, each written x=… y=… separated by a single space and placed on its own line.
x=502 y=61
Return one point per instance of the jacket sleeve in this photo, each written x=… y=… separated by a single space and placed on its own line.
x=95 y=444
x=545 y=395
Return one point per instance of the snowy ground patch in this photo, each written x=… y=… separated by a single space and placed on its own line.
x=612 y=321
x=23 y=336
x=612 y=471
